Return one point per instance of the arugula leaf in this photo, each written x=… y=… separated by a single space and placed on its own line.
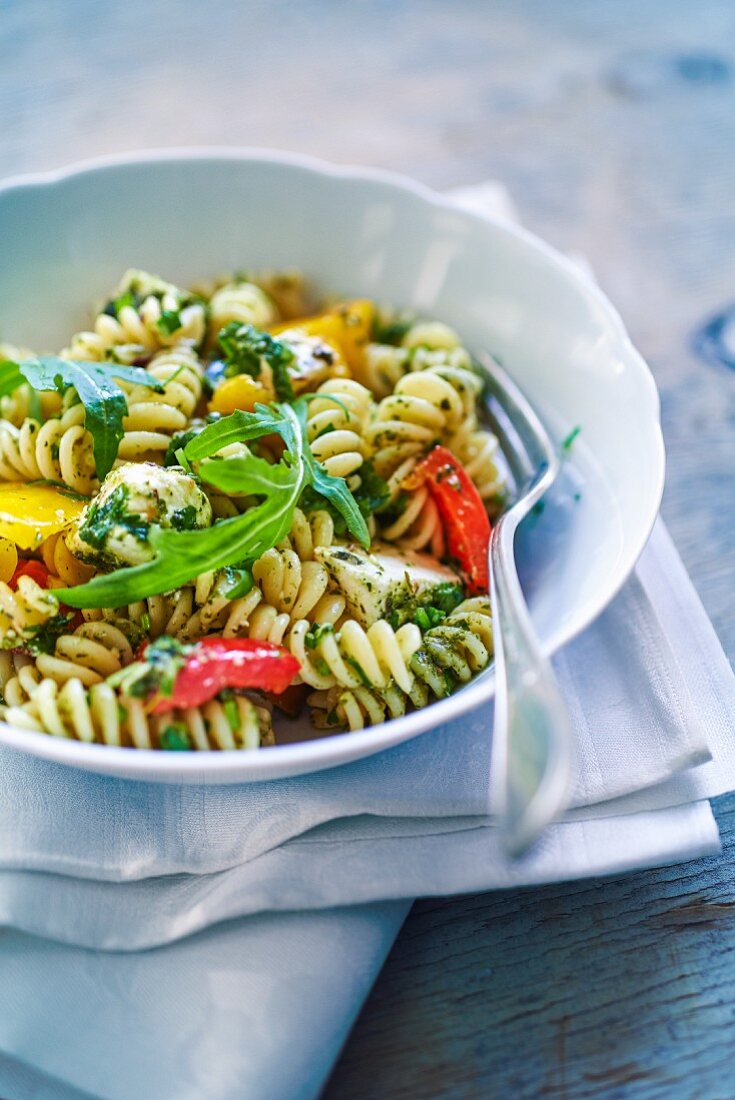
x=245 y=474
x=104 y=402
x=244 y=346
x=10 y=377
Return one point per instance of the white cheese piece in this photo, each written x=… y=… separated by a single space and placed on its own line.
x=133 y=496
x=374 y=583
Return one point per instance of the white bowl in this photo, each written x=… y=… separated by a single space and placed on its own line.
x=67 y=237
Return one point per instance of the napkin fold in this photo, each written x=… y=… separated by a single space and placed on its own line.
x=93 y=862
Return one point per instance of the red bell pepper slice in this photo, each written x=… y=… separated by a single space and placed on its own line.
x=463 y=515
x=215 y=664
x=36 y=570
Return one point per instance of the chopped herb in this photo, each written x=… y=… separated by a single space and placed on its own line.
x=45 y=636
x=100 y=519
x=175 y=739
x=155 y=674
x=322 y=667
x=232 y=714
x=428 y=609
x=566 y=444
x=184 y=519
x=246 y=347
x=446 y=596
x=169 y=321
x=239 y=581
x=391 y=330
x=145 y=622
x=359 y=670
x=428 y=617
x=126 y=299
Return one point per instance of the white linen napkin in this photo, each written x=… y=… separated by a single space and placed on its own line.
x=104 y=863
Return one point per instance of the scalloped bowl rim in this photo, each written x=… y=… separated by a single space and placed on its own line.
x=336 y=749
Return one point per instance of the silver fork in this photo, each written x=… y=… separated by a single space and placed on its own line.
x=532 y=734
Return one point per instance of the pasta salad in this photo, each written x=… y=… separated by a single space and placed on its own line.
x=230 y=503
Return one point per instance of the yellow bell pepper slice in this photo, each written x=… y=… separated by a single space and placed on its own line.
x=240 y=392
x=345 y=327
x=31 y=513
x=8 y=559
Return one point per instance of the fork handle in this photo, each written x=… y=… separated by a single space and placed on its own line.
x=532 y=733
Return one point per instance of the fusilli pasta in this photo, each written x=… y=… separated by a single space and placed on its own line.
x=101 y=715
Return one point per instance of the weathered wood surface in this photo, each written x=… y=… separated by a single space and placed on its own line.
x=614 y=126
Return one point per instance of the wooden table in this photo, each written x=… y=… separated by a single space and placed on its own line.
x=613 y=124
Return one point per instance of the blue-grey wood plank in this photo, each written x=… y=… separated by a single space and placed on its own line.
x=613 y=123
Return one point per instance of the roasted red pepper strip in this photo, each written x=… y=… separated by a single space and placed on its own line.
x=464 y=519
x=36 y=570
x=218 y=663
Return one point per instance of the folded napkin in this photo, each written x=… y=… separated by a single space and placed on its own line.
x=101 y=863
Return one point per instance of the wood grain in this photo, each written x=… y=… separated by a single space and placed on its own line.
x=613 y=124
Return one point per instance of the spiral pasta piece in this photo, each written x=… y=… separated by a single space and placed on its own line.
x=243 y=302
x=285 y=587
x=18 y=677
x=476 y=448
x=24 y=612
x=424 y=408
x=384 y=365
x=356 y=708
x=454 y=651
x=335 y=426
x=100 y=715
x=62 y=564
x=436 y=404
x=61 y=449
x=153 y=418
x=308 y=532
x=419 y=525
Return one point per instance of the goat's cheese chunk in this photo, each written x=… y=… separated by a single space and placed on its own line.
x=114 y=528
x=386 y=582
